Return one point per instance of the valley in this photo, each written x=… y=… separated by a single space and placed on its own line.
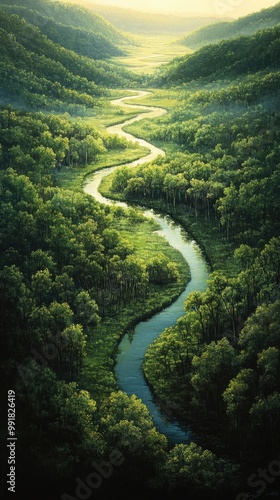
x=144 y=58
x=139 y=263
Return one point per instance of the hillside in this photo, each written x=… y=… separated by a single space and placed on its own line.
x=227 y=59
x=74 y=16
x=248 y=25
x=143 y=23
x=37 y=73
x=87 y=43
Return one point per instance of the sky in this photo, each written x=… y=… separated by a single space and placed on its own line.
x=225 y=8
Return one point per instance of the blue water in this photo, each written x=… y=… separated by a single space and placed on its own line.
x=128 y=368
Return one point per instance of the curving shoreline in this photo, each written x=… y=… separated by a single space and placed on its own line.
x=128 y=369
x=92 y=186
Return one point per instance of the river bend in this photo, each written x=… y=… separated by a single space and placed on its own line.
x=128 y=369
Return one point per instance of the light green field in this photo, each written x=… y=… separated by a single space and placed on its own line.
x=152 y=52
x=168 y=99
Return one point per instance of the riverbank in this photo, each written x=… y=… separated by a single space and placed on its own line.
x=103 y=346
x=128 y=368
x=218 y=252
x=219 y=255
x=142 y=235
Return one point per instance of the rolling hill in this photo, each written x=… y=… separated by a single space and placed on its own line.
x=248 y=25
x=228 y=59
x=74 y=16
x=87 y=43
x=38 y=73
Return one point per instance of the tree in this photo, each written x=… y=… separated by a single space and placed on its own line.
x=260 y=331
x=130 y=429
x=191 y=466
x=228 y=210
x=239 y=397
x=74 y=349
x=135 y=276
x=86 y=310
x=265 y=418
x=89 y=148
x=162 y=270
x=23 y=163
x=45 y=159
x=61 y=240
x=12 y=291
x=64 y=288
x=40 y=260
x=76 y=423
x=212 y=371
x=193 y=304
x=269 y=366
x=42 y=286
x=270 y=260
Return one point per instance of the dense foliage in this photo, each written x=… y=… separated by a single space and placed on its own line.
x=226 y=59
x=64 y=270
x=87 y=43
x=38 y=73
x=70 y=281
x=73 y=16
x=219 y=366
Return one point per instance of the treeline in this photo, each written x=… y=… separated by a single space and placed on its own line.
x=37 y=144
x=260 y=87
x=143 y=23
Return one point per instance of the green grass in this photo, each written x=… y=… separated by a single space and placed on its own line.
x=143 y=235
x=144 y=128
x=73 y=177
x=206 y=233
x=111 y=115
x=151 y=53
x=168 y=99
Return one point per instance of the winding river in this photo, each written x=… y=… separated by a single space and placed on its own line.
x=128 y=368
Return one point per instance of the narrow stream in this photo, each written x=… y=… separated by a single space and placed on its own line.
x=128 y=368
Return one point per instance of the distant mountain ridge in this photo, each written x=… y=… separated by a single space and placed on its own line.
x=247 y=25
x=143 y=23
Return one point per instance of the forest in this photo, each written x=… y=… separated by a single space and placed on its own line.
x=77 y=275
